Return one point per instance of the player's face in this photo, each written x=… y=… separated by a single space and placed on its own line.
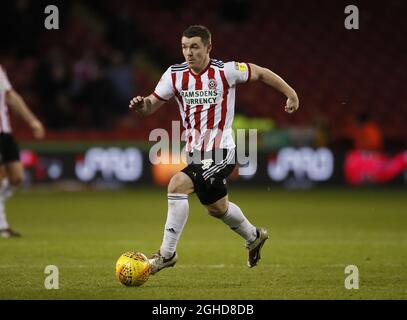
x=196 y=54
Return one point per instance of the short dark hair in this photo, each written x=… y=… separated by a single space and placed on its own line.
x=198 y=31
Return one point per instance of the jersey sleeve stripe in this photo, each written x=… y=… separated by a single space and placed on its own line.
x=184 y=86
x=224 y=100
x=177 y=69
x=224 y=106
x=158 y=97
x=211 y=111
x=198 y=109
x=250 y=72
x=177 y=95
x=217 y=63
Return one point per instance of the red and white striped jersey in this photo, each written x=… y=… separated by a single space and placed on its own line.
x=4 y=117
x=206 y=101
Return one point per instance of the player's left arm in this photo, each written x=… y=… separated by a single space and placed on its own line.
x=18 y=105
x=270 y=78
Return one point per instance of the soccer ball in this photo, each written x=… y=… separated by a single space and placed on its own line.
x=133 y=269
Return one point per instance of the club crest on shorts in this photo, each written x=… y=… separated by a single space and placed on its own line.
x=206 y=163
x=212 y=84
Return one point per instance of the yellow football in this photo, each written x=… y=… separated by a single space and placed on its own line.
x=132 y=269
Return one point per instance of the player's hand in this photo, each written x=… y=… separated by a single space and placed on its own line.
x=38 y=129
x=136 y=103
x=292 y=104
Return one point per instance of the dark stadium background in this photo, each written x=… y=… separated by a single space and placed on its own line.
x=325 y=213
x=79 y=79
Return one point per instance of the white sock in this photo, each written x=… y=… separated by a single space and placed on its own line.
x=177 y=216
x=236 y=220
x=3 y=218
x=6 y=189
x=5 y=192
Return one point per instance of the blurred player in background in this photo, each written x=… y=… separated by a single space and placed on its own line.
x=11 y=169
x=204 y=89
x=367 y=163
x=365 y=133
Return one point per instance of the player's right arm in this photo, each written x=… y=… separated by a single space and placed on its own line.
x=18 y=105
x=145 y=105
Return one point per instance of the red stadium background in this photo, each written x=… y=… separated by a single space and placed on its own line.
x=79 y=78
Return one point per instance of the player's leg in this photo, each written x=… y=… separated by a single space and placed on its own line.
x=213 y=194
x=211 y=188
x=233 y=216
x=15 y=173
x=13 y=168
x=179 y=188
x=6 y=191
x=3 y=219
x=11 y=176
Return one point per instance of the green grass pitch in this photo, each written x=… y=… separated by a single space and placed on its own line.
x=314 y=235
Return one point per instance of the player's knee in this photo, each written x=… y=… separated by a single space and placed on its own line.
x=217 y=210
x=178 y=184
